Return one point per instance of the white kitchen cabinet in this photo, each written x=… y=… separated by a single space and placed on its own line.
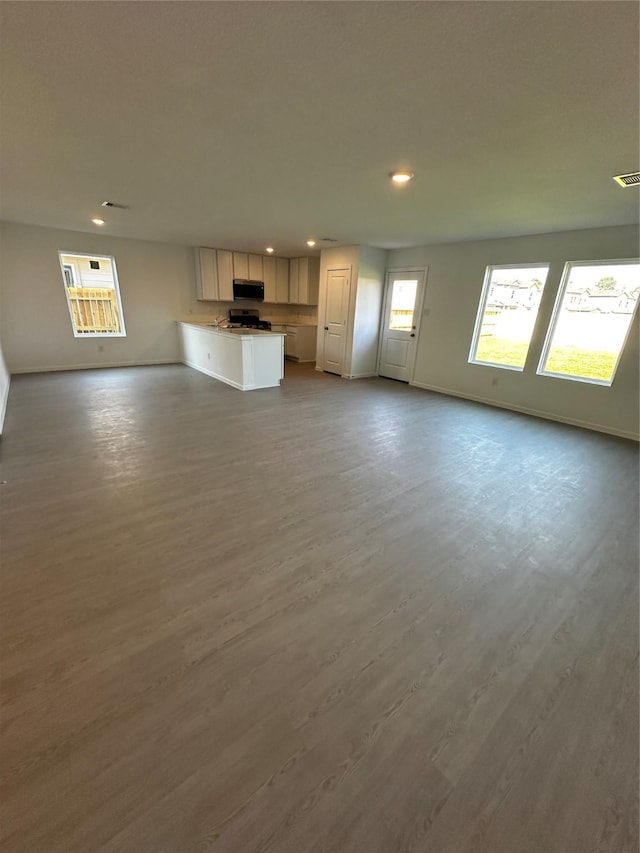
x=304 y=277
x=276 y=279
x=245 y=359
x=225 y=275
x=240 y=265
x=308 y=280
x=256 y=271
x=207 y=288
x=282 y=279
x=300 y=342
x=270 y=279
x=294 y=280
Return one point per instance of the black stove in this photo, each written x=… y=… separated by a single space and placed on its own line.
x=248 y=318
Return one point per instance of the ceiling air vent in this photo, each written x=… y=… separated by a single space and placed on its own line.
x=630 y=180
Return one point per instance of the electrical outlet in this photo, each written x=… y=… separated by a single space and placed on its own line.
x=100 y=348
x=494 y=381
x=209 y=356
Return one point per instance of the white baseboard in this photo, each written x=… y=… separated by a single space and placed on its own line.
x=49 y=368
x=3 y=405
x=548 y=416
x=358 y=375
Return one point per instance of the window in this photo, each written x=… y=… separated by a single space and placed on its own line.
x=591 y=320
x=68 y=273
x=93 y=296
x=507 y=315
x=403 y=302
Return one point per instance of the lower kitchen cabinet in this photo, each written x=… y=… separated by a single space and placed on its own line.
x=244 y=359
x=300 y=342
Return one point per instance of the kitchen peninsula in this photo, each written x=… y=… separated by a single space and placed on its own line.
x=247 y=359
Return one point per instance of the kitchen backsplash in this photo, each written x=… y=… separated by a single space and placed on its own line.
x=276 y=313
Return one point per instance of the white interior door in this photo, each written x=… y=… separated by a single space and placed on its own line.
x=399 y=336
x=335 y=320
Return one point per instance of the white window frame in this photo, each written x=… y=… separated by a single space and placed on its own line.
x=68 y=268
x=564 y=281
x=475 y=339
x=116 y=284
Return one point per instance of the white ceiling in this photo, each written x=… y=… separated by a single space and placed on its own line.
x=244 y=124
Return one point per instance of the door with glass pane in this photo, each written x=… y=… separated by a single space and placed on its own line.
x=402 y=308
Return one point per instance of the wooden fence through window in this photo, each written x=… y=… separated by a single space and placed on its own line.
x=95 y=310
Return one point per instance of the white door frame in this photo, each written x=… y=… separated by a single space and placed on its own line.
x=417 y=313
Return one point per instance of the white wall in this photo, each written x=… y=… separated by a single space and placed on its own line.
x=454 y=284
x=157 y=286
x=368 y=266
x=5 y=380
x=157 y=283
x=368 y=306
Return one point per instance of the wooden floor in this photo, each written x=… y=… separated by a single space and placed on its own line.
x=334 y=617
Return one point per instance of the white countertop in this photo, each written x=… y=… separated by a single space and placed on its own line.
x=233 y=333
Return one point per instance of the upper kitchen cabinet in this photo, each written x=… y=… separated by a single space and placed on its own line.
x=293 y=282
x=282 y=279
x=256 y=271
x=269 y=273
x=304 y=277
x=276 y=279
x=247 y=266
x=225 y=275
x=294 y=279
x=207 y=286
x=240 y=265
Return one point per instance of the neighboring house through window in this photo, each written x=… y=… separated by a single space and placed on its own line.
x=507 y=315
x=591 y=320
x=93 y=295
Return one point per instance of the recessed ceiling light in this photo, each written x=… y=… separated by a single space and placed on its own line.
x=269 y=249
x=311 y=242
x=98 y=221
x=401 y=176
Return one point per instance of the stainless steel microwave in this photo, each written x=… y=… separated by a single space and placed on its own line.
x=244 y=288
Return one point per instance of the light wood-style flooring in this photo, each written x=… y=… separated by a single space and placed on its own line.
x=334 y=617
